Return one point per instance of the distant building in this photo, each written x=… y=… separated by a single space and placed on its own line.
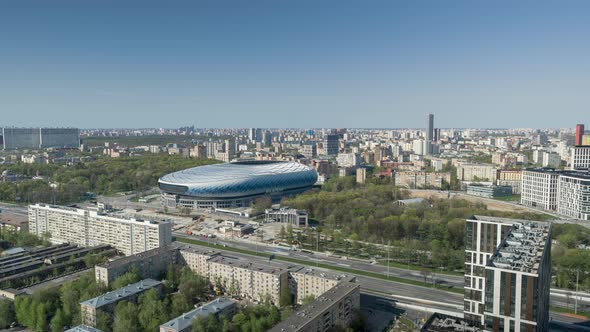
x=219 y=307
x=331 y=147
x=40 y=138
x=348 y=160
x=361 y=175
x=106 y=303
x=579 y=134
x=580 y=158
x=414 y=180
x=489 y=191
x=309 y=151
x=429 y=127
x=90 y=228
x=297 y=218
x=476 y=172
x=510 y=178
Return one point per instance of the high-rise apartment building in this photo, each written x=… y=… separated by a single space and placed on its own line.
x=539 y=188
x=573 y=195
x=91 y=228
x=507 y=273
x=580 y=157
x=309 y=151
x=331 y=144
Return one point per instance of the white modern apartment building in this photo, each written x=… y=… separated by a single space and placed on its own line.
x=90 y=228
x=580 y=157
x=573 y=194
x=539 y=188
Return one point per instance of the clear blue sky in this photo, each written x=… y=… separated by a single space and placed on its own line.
x=296 y=63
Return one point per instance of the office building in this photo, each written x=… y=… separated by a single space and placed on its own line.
x=40 y=138
x=331 y=147
x=489 y=191
x=297 y=218
x=91 y=228
x=539 y=188
x=429 y=127
x=221 y=306
x=336 y=307
x=507 y=274
x=107 y=302
x=573 y=195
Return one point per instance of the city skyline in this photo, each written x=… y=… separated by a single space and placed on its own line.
x=303 y=64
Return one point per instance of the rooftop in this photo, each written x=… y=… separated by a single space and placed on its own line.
x=523 y=248
x=122 y=293
x=308 y=313
x=256 y=267
x=83 y=328
x=129 y=259
x=185 y=320
x=443 y=323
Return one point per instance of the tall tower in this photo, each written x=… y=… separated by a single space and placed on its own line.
x=579 y=134
x=430 y=127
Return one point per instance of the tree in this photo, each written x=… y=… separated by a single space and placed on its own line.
x=308 y=299
x=152 y=312
x=104 y=321
x=41 y=323
x=128 y=278
x=7 y=314
x=58 y=322
x=126 y=319
x=283 y=233
x=286 y=298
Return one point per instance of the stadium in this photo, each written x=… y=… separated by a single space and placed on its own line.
x=235 y=184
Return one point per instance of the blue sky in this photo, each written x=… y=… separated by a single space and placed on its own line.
x=297 y=63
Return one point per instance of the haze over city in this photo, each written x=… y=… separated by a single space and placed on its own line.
x=304 y=64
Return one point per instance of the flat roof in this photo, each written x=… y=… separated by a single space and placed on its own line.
x=133 y=258
x=300 y=318
x=185 y=320
x=523 y=248
x=121 y=293
x=327 y=274
x=255 y=267
x=444 y=323
x=83 y=328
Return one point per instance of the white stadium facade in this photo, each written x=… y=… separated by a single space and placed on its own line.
x=235 y=184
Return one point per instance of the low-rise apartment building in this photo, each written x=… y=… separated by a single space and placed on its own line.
x=107 y=302
x=335 y=308
x=221 y=306
x=415 y=180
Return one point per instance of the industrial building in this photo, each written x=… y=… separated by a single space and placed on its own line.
x=90 y=228
x=235 y=184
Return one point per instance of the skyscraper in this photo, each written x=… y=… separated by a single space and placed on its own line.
x=430 y=127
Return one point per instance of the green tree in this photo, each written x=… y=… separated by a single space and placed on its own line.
x=128 y=278
x=152 y=312
x=7 y=314
x=58 y=322
x=104 y=321
x=126 y=319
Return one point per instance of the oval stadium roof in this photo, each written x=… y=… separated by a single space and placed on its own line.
x=239 y=179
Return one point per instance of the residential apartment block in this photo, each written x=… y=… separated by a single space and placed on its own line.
x=580 y=157
x=336 y=307
x=415 y=180
x=573 y=195
x=507 y=275
x=107 y=302
x=539 y=188
x=476 y=172
x=221 y=306
x=91 y=228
